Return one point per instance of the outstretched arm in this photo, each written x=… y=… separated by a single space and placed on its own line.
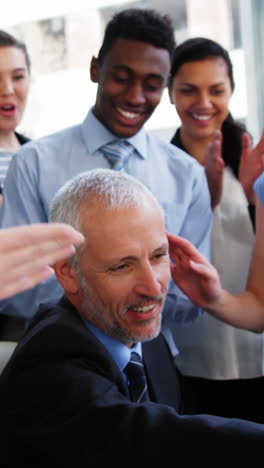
x=199 y=280
x=27 y=252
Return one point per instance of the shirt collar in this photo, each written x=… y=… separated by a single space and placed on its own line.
x=119 y=352
x=96 y=135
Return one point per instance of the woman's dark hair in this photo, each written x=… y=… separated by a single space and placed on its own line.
x=7 y=40
x=139 y=24
x=198 y=49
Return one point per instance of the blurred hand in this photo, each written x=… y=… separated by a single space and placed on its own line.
x=27 y=252
x=214 y=168
x=192 y=273
x=251 y=165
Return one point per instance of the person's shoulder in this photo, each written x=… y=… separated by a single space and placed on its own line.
x=46 y=145
x=173 y=153
x=50 y=321
x=60 y=312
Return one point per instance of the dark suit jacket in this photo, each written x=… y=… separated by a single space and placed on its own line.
x=65 y=403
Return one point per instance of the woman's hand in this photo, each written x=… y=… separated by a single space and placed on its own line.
x=251 y=165
x=214 y=168
x=192 y=273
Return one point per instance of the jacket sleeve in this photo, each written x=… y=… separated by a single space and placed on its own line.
x=60 y=414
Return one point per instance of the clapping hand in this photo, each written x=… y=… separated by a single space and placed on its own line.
x=214 y=168
x=251 y=165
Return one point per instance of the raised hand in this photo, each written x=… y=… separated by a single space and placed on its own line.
x=214 y=168
x=27 y=252
x=192 y=273
x=251 y=165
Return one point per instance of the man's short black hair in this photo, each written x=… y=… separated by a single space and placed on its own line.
x=139 y=24
x=7 y=40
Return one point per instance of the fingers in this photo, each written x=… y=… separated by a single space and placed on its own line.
x=246 y=144
x=213 y=156
x=26 y=253
x=24 y=282
x=217 y=142
x=32 y=258
x=217 y=136
x=180 y=248
x=206 y=270
x=260 y=144
x=22 y=236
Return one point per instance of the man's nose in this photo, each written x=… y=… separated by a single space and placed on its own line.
x=148 y=282
x=135 y=94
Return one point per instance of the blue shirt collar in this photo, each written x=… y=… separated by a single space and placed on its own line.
x=119 y=352
x=96 y=135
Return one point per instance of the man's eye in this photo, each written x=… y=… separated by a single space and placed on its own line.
x=153 y=87
x=119 y=267
x=121 y=78
x=161 y=255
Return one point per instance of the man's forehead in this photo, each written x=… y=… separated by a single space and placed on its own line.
x=106 y=222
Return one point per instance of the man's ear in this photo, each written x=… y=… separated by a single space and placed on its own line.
x=67 y=276
x=94 y=70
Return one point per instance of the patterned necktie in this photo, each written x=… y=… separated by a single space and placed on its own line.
x=137 y=379
x=117 y=153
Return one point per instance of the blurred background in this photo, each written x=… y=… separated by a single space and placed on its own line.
x=63 y=35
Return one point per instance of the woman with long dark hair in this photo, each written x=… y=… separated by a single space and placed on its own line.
x=200 y=87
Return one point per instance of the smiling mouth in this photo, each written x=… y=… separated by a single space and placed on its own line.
x=7 y=107
x=201 y=117
x=127 y=114
x=143 y=309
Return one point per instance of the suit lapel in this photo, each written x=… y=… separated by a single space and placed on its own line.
x=77 y=341
x=163 y=377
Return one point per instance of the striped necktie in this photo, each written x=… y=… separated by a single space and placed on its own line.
x=137 y=379
x=117 y=153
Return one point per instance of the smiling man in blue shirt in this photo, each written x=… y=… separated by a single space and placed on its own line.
x=132 y=71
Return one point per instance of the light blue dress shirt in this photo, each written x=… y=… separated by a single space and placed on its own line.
x=119 y=352
x=41 y=167
x=259 y=187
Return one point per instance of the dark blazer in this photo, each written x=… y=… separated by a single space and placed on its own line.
x=64 y=402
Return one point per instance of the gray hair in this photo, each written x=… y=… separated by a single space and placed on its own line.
x=113 y=190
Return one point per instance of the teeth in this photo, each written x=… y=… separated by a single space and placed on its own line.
x=143 y=309
x=201 y=117
x=7 y=107
x=128 y=115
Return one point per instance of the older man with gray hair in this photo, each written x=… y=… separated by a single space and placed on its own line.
x=92 y=383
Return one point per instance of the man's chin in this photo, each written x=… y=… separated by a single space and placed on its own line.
x=124 y=132
x=147 y=336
